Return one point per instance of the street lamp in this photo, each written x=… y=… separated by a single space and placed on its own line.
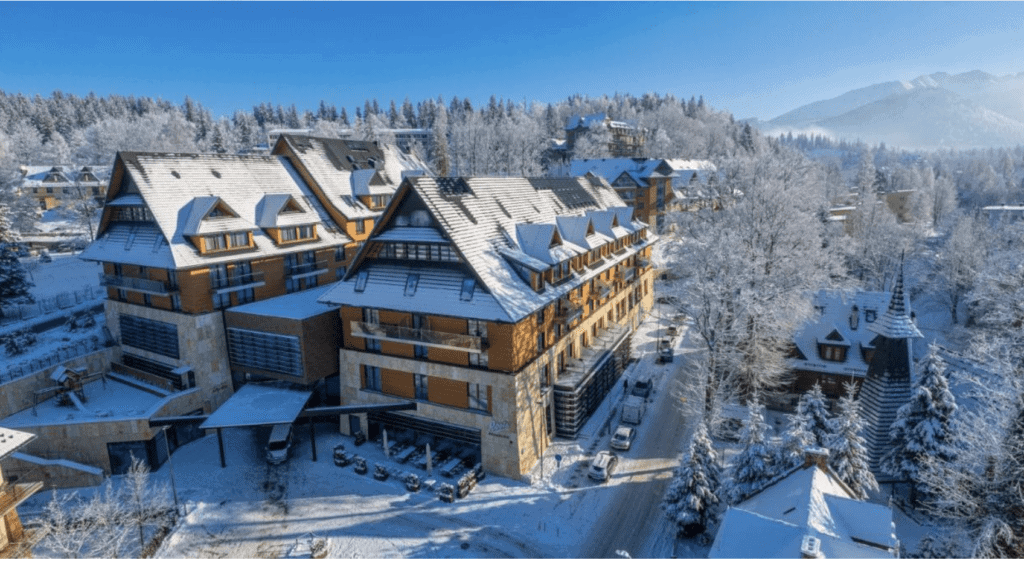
x=170 y=463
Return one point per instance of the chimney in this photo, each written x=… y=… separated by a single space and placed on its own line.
x=816 y=457
x=810 y=547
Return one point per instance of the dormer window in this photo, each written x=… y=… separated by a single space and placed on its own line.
x=870 y=315
x=832 y=353
x=231 y=241
x=297 y=233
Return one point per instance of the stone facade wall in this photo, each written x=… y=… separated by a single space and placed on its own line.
x=201 y=344
x=17 y=395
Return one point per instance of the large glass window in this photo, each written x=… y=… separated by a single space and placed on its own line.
x=150 y=335
x=371 y=376
x=478 y=397
x=278 y=353
x=421 y=385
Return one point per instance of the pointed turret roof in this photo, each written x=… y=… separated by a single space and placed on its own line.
x=896 y=322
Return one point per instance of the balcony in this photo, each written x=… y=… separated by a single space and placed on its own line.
x=628 y=274
x=149 y=286
x=419 y=336
x=237 y=282
x=603 y=290
x=568 y=312
x=12 y=495
x=306 y=269
x=643 y=262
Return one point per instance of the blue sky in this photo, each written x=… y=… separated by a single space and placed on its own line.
x=754 y=59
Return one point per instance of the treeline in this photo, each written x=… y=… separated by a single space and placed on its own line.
x=499 y=137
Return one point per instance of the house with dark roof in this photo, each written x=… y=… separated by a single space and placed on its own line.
x=645 y=184
x=504 y=307
x=806 y=513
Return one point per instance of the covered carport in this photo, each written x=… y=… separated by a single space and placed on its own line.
x=256 y=404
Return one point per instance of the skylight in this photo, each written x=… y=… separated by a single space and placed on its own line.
x=468 y=286
x=410 y=284
x=361 y=281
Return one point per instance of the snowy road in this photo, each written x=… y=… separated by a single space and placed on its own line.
x=633 y=520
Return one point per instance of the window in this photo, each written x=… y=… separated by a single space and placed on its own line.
x=540 y=317
x=339 y=273
x=339 y=253
x=150 y=335
x=360 y=226
x=176 y=302
x=832 y=353
x=540 y=342
x=869 y=315
x=290 y=285
x=213 y=243
x=243 y=296
x=468 y=285
x=372 y=316
x=295 y=233
x=420 y=382
x=410 y=284
x=478 y=397
x=361 y=281
x=309 y=282
x=239 y=239
x=221 y=300
x=371 y=377
x=545 y=375
x=478 y=359
x=266 y=351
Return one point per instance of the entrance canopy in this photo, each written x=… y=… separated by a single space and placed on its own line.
x=256 y=405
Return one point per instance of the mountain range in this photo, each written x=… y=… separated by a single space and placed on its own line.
x=966 y=110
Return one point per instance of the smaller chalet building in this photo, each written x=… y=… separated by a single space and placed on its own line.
x=503 y=306
x=627 y=138
x=837 y=345
x=644 y=184
x=51 y=184
x=807 y=513
x=14 y=542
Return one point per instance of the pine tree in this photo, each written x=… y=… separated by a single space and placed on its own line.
x=692 y=499
x=924 y=427
x=752 y=468
x=14 y=283
x=441 y=160
x=796 y=439
x=848 y=455
x=814 y=408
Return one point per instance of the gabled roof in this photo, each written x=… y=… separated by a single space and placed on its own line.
x=36 y=175
x=180 y=191
x=640 y=170
x=493 y=223
x=807 y=502
x=835 y=310
x=281 y=210
x=341 y=168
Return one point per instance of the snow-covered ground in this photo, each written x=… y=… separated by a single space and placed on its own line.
x=231 y=512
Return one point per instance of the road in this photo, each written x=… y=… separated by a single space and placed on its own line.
x=633 y=519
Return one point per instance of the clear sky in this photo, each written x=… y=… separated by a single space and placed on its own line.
x=754 y=59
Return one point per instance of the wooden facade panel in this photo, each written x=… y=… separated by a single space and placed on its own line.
x=396 y=349
x=398 y=383
x=446 y=356
x=447 y=324
x=448 y=392
x=348 y=314
x=321 y=336
x=195 y=290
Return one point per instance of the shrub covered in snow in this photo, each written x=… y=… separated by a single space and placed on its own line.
x=18 y=342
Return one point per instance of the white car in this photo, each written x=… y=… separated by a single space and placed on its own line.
x=623 y=437
x=602 y=466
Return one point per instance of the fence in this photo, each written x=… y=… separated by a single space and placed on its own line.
x=61 y=301
x=53 y=358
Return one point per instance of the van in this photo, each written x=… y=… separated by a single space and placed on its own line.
x=633 y=410
x=643 y=387
x=280 y=443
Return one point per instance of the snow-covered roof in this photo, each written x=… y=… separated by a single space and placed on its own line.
x=591 y=120
x=182 y=190
x=896 y=322
x=12 y=440
x=808 y=502
x=837 y=310
x=114 y=399
x=256 y=404
x=638 y=169
x=293 y=306
x=343 y=169
x=64 y=175
x=492 y=222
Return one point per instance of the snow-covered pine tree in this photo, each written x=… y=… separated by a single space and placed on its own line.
x=814 y=408
x=439 y=150
x=692 y=499
x=14 y=283
x=752 y=468
x=796 y=439
x=847 y=454
x=924 y=427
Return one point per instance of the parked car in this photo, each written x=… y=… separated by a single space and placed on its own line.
x=643 y=387
x=280 y=443
x=603 y=465
x=633 y=410
x=665 y=351
x=623 y=437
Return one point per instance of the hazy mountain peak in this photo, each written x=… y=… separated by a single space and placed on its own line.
x=970 y=109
